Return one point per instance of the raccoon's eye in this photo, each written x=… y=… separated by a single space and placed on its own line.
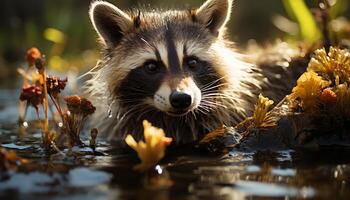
x=192 y=63
x=151 y=67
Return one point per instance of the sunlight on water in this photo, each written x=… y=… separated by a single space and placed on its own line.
x=237 y=175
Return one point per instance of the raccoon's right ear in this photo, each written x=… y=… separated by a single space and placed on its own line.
x=214 y=14
x=110 y=22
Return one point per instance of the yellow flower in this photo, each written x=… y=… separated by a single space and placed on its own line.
x=335 y=64
x=152 y=150
x=260 y=117
x=308 y=90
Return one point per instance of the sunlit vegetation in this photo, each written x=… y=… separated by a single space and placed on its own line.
x=324 y=88
x=313 y=36
x=152 y=150
x=37 y=89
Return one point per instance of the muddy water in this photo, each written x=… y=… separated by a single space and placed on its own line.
x=189 y=174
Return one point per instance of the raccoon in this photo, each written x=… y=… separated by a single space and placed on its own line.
x=174 y=68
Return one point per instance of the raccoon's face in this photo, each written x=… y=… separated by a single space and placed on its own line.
x=162 y=60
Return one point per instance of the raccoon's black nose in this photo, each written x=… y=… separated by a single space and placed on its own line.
x=180 y=100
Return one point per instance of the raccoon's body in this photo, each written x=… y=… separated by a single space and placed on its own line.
x=172 y=68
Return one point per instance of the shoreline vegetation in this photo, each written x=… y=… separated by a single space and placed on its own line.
x=314 y=115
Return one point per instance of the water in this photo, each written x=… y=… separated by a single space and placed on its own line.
x=189 y=174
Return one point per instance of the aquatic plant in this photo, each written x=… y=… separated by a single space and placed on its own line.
x=78 y=110
x=36 y=94
x=332 y=65
x=152 y=150
x=55 y=85
x=308 y=91
x=260 y=117
x=263 y=118
x=31 y=55
x=33 y=95
x=40 y=66
x=324 y=88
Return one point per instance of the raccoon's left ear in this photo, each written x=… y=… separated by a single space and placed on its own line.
x=214 y=14
x=110 y=22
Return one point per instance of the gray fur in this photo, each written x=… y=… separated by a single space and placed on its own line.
x=241 y=82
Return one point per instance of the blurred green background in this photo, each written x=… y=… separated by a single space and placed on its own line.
x=61 y=28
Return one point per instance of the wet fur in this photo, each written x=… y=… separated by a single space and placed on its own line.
x=229 y=87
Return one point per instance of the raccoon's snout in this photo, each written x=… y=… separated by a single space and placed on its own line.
x=180 y=100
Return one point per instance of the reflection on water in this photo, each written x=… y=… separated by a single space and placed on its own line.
x=193 y=175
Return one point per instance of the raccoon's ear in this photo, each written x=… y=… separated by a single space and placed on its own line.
x=110 y=22
x=214 y=14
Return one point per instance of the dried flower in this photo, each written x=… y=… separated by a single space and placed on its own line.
x=33 y=95
x=32 y=55
x=79 y=105
x=308 y=90
x=260 y=117
x=79 y=109
x=328 y=96
x=86 y=107
x=332 y=65
x=153 y=149
x=55 y=85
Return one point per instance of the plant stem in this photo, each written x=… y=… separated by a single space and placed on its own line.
x=58 y=108
x=25 y=111
x=40 y=122
x=325 y=23
x=20 y=106
x=57 y=149
x=45 y=103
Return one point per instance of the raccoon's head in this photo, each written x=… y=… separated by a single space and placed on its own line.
x=162 y=59
x=173 y=68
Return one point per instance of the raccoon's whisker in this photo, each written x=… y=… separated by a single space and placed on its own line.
x=211 y=83
x=206 y=108
x=219 y=95
x=202 y=110
x=194 y=115
x=213 y=87
x=132 y=110
x=214 y=81
x=213 y=107
x=211 y=103
x=214 y=94
x=216 y=97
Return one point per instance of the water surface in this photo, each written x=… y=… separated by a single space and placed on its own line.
x=263 y=174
